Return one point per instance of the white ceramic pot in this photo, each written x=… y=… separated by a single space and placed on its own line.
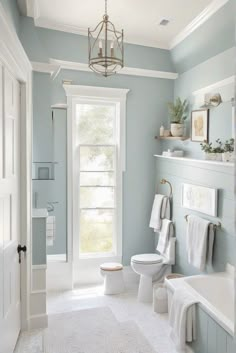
x=177 y=130
x=228 y=157
x=213 y=156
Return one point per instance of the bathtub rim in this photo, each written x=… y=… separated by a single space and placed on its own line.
x=212 y=311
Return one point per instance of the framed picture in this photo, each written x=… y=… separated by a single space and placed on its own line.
x=200 y=198
x=200 y=125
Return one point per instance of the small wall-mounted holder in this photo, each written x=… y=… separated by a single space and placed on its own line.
x=43 y=170
x=164 y=181
x=212 y=100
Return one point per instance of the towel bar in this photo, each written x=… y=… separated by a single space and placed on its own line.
x=215 y=226
x=164 y=181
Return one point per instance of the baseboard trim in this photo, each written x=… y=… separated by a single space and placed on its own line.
x=38 y=322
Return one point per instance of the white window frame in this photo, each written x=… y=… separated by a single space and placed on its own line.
x=80 y=94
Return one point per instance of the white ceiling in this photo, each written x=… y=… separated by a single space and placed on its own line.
x=139 y=18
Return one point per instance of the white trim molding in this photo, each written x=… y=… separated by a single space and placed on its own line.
x=198 y=21
x=15 y=59
x=219 y=84
x=54 y=66
x=33 y=10
x=45 y=68
x=80 y=94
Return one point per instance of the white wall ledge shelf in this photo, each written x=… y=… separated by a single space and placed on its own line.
x=173 y=138
x=186 y=159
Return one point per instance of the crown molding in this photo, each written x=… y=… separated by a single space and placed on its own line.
x=198 y=21
x=219 y=84
x=34 y=11
x=46 y=68
x=45 y=23
x=70 y=65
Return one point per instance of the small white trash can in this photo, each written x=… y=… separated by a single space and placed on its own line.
x=160 y=301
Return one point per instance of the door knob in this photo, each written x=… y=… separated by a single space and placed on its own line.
x=20 y=249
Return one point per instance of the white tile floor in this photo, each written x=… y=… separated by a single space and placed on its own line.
x=125 y=307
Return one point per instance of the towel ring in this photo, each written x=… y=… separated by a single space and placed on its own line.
x=164 y=181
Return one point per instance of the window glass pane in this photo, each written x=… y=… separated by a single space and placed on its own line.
x=97 y=178
x=96 y=158
x=95 y=123
x=91 y=197
x=96 y=231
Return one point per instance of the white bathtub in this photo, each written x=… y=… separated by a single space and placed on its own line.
x=215 y=293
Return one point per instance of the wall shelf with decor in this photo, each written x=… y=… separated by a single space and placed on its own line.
x=186 y=159
x=43 y=170
x=172 y=138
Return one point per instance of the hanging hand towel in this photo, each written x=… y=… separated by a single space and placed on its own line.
x=160 y=210
x=200 y=239
x=167 y=231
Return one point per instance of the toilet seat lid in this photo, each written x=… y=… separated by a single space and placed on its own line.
x=111 y=266
x=147 y=259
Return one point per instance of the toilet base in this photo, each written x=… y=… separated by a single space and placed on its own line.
x=145 y=294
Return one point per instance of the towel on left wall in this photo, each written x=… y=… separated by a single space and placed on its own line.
x=50 y=230
x=160 y=210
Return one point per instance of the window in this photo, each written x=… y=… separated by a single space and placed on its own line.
x=96 y=142
x=96 y=162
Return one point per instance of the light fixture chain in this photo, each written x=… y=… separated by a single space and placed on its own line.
x=105 y=7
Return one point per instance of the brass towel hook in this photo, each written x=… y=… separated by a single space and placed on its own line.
x=164 y=181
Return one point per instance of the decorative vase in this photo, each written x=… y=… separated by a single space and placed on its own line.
x=177 y=130
x=228 y=157
x=213 y=156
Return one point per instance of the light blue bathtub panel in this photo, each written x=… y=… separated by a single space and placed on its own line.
x=211 y=336
x=200 y=345
x=231 y=344
x=221 y=337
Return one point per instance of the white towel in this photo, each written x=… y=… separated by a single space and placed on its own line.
x=200 y=239
x=160 y=210
x=50 y=230
x=167 y=231
x=180 y=321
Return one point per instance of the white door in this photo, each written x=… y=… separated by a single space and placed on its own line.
x=9 y=211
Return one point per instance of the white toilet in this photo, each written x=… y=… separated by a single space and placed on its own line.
x=152 y=267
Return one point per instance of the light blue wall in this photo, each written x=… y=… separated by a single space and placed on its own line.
x=11 y=9
x=146 y=108
x=204 y=58
x=42 y=44
x=214 y=36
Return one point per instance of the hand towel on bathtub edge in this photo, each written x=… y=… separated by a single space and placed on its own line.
x=180 y=320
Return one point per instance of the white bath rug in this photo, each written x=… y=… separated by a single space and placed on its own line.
x=86 y=331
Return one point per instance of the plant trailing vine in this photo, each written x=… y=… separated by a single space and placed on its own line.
x=221 y=147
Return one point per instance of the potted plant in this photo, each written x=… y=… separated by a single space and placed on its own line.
x=228 y=154
x=207 y=149
x=178 y=115
x=213 y=153
x=218 y=150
